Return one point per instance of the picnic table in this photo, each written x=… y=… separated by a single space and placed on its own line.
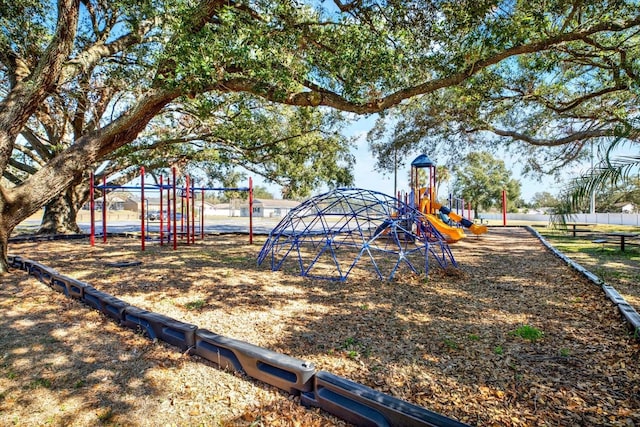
x=623 y=236
x=576 y=227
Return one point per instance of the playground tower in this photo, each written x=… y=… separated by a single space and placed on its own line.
x=424 y=200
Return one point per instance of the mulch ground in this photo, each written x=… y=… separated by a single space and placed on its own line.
x=448 y=342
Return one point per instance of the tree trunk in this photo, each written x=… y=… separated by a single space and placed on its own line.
x=4 y=246
x=69 y=167
x=6 y=227
x=60 y=216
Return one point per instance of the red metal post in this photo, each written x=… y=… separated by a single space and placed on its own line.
x=193 y=211
x=504 y=207
x=182 y=213
x=168 y=210
x=142 y=217
x=161 y=215
x=250 y=211
x=104 y=209
x=187 y=210
x=92 y=215
x=175 y=241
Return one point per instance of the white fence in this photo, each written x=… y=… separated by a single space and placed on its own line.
x=597 y=218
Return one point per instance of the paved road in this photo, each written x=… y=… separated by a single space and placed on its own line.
x=222 y=225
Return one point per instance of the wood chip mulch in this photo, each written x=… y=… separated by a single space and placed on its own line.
x=448 y=342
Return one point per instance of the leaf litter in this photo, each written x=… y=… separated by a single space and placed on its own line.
x=445 y=342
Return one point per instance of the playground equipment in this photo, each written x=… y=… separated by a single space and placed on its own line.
x=439 y=216
x=328 y=235
x=168 y=215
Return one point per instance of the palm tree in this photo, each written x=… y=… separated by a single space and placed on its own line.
x=612 y=170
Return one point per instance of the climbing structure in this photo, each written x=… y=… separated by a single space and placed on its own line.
x=330 y=234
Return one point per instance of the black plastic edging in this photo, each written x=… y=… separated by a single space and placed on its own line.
x=264 y=364
x=362 y=405
x=630 y=315
x=46 y=237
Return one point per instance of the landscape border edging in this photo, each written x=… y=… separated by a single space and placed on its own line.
x=388 y=411
x=629 y=314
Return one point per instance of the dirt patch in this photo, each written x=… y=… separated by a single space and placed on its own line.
x=452 y=342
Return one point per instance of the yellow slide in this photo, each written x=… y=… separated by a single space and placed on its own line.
x=453 y=234
x=474 y=228
x=478 y=229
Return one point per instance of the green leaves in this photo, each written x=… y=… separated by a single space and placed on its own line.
x=548 y=74
x=541 y=105
x=299 y=148
x=480 y=179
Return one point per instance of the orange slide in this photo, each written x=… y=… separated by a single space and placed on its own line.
x=453 y=233
x=474 y=228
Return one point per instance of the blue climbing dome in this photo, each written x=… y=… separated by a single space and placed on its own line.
x=330 y=234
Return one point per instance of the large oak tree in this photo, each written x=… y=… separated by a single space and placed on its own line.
x=361 y=57
x=546 y=108
x=209 y=138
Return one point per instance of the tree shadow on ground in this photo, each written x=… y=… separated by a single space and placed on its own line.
x=447 y=342
x=56 y=351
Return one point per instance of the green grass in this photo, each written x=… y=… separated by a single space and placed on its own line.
x=195 y=305
x=354 y=349
x=607 y=273
x=349 y=342
x=528 y=332
x=574 y=244
x=450 y=343
x=598 y=228
x=606 y=262
x=11 y=374
x=40 y=382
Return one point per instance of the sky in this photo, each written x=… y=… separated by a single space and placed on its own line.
x=367 y=177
